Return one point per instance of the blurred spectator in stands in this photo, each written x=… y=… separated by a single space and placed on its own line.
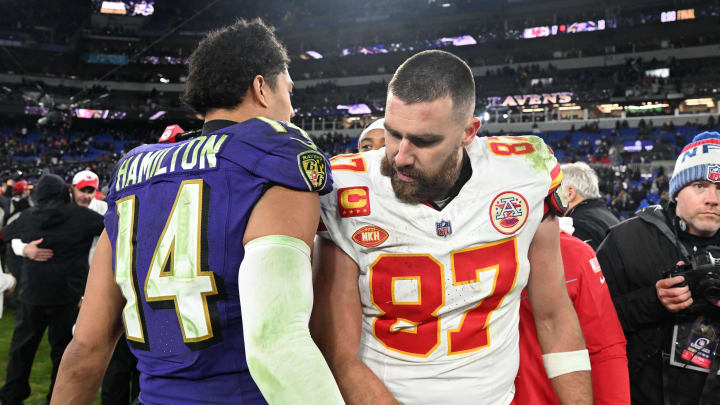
x=591 y=217
x=622 y=204
x=49 y=290
x=372 y=137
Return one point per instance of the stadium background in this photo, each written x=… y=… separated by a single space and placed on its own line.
x=621 y=85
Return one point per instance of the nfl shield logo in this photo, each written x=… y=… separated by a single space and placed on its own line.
x=443 y=228
x=713 y=173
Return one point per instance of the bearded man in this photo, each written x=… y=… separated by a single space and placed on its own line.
x=426 y=246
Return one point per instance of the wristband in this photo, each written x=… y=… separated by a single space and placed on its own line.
x=557 y=364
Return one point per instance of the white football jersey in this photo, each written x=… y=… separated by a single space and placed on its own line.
x=440 y=290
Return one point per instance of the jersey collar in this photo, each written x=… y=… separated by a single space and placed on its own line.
x=216 y=125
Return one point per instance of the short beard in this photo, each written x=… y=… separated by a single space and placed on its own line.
x=424 y=188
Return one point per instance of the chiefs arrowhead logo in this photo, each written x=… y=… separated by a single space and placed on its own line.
x=370 y=236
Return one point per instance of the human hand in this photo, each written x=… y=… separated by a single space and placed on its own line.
x=33 y=252
x=674 y=299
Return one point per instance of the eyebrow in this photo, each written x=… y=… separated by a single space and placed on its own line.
x=427 y=137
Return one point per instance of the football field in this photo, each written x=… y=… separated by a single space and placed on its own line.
x=42 y=366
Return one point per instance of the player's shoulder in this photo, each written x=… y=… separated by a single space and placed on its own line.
x=356 y=169
x=529 y=148
x=267 y=134
x=517 y=152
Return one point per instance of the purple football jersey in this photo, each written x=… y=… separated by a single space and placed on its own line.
x=176 y=218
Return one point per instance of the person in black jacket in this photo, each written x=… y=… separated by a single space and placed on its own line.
x=591 y=216
x=672 y=331
x=49 y=291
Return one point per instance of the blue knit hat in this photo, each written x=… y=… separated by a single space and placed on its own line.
x=699 y=160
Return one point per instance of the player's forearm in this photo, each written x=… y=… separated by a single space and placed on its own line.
x=291 y=370
x=574 y=388
x=359 y=385
x=275 y=287
x=560 y=332
x=80 y=375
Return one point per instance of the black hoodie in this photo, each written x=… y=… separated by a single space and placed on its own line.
x=68 y=230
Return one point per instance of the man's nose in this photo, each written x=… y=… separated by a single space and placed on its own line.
x=711 y=195
x=404 y=156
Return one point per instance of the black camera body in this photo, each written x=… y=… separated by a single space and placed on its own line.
x=702 y=274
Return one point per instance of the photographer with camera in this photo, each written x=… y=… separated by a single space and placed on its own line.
x=664 y=280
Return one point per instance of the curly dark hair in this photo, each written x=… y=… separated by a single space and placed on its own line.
x=225 y=62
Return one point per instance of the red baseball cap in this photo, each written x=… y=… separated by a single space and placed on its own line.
x=86 y=178
x=20 y=186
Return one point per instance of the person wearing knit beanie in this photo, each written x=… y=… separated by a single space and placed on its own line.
x=699 y=160
x=638 y=258
x=694 y=185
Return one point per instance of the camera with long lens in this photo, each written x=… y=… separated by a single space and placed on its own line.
x=702 y=274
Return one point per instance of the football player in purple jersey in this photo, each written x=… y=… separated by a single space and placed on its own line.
x=205 y=260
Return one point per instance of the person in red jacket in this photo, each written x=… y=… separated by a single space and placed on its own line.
x=603 y=334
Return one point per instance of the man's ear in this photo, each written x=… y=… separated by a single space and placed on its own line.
x=471 y=129
x=257 y=90
x=572 y=194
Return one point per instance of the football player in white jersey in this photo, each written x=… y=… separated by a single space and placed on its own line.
x=426 y=247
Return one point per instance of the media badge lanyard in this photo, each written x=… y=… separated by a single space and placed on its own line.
x=700 y=349
x=696 y=349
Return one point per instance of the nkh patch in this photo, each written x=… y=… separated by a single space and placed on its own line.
x=595 y=264
x=508 y=212
x=313 y=169
x=443 y=228
x=370 y=236
x=354 y=202
x=713 y=173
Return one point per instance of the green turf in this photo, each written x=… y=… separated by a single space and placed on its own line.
x=42 y=366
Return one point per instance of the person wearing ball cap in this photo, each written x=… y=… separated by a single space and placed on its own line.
x=84 y=185
x=672 y=326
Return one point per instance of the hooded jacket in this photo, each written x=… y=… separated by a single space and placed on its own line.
x=68 y=230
